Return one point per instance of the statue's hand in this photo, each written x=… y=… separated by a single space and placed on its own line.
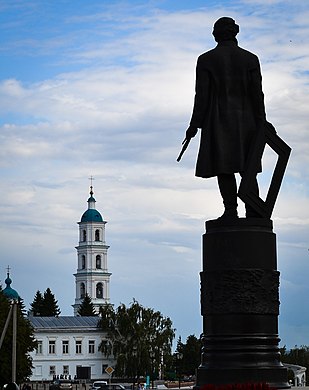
x=191 y=132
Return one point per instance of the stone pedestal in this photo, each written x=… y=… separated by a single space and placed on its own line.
x=240 y=305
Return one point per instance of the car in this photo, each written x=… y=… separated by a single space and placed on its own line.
x=61 y=384
x=11 y=386
x=112 y=386
x=98 y=384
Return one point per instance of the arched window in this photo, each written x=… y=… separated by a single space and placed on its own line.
x=83 y=261
x=82 y=290
x=84 y=237
x=98 y=262
x=99 y=290
x=97 y=235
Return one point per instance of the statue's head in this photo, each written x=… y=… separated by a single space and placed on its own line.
x=225 y=29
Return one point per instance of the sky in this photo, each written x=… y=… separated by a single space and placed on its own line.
x=105 y=89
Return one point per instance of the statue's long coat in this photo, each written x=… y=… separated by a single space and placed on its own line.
x=228 y=107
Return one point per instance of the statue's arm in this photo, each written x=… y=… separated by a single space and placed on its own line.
x=201 y=96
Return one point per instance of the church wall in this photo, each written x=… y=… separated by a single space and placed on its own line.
x=60 y=352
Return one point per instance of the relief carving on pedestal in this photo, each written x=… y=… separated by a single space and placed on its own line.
x=242 y=291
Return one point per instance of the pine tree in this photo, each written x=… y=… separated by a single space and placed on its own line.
x=45 y=305
x=36 y=306
x=86 y=308
x=50 y=306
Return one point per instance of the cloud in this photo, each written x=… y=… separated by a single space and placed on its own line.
x=112 y=99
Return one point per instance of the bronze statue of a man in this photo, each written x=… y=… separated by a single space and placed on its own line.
x=229 y=108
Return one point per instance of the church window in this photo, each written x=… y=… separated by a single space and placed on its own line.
x=97 y=235
x=52 y=347
x=65 y=347
x=91 y=346
x=84 y=235
x=83 y=261
x=66 y=370
x=99 y=290
x=98 y=262
x=78 y=347
x=82 y=290
x=39 y=348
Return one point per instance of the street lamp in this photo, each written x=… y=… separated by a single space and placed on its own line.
x=179 y=357
x=134 y=354
x=152 y=355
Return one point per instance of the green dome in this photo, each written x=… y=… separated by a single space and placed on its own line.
x=92 y=215
x=9 y=292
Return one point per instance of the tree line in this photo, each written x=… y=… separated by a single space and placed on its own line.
x=46 y=305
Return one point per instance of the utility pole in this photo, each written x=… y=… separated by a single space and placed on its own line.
x=14 y=304
x=13 y=309
x=13 y=298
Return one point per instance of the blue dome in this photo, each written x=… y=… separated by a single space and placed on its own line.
x=9 y=292
x=92 y=215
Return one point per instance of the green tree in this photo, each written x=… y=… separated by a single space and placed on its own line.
x=139 y=338
x=86 y=308
x=45 y=305
x=25 y=343
x=36 y=306
x=191 y=354
x=50 y=306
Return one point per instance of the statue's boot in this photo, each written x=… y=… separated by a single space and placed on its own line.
x=228 y=189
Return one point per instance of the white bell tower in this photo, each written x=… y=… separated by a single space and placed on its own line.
x=92 y=276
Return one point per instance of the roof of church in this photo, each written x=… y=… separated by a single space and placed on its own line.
x=64 y=322
x=9 y=292
x=91 y=215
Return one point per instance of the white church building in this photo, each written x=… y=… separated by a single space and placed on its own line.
x=67 y=343
x=92 y=276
